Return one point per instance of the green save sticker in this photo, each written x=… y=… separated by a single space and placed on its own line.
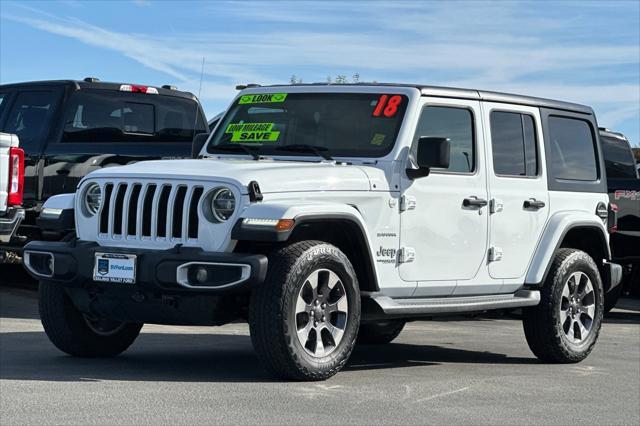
x=255 y=136
x=262 y=98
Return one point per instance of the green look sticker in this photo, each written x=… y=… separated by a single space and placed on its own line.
x=263 y=98
x=255 y=136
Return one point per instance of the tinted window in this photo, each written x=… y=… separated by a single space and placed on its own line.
x=30 y=117
x=618 y=159
x=573 y=150
x=343 y=124
x=109 y=116
x=3 y=96
x=455 y=124
x=513 y=141
x=530 y=145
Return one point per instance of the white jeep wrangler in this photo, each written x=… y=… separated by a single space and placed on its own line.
x=326 y=215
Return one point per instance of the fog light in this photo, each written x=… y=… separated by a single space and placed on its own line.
x=40 y=264
x=201 y=275
x=211 y=274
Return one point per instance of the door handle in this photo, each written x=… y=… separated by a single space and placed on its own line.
x=474 y=201
x=64 y=172
x=533 y=204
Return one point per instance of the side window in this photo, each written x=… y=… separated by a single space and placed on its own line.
x=30 y=117
x=455 y=124
x=572 y=143
x=618 y=158
x=513 y=141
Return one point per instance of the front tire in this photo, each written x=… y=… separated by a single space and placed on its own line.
x=304 y=318
x=564 y=327
x=77 y=334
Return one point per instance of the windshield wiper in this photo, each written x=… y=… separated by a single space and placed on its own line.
x=321 y=151
x=237 y=147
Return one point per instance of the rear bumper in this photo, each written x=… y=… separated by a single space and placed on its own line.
x=9 y=223
x=71 y=264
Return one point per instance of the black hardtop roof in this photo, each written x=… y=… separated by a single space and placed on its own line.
x=103 y=85
x=454 y=92
x=607 y=132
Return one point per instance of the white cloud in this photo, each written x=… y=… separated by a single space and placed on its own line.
x=500 y=46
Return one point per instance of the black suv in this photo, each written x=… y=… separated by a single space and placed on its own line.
x=70 y=128
x=624 y=191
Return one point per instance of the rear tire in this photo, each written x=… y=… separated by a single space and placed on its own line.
x=77 y=334
x=379 y=333
x=304 y=318
x=564 y=327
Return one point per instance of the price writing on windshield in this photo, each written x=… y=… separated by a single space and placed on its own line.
x=387 y=105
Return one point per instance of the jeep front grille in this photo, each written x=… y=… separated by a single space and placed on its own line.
x=149 y=211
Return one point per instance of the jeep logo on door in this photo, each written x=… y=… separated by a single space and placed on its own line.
x=103 y=266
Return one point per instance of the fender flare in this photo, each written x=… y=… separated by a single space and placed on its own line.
x=554 y=233
x=58 y=213
x=302 y=214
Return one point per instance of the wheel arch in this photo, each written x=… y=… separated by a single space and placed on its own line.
x=341 y=226
x=576 y=230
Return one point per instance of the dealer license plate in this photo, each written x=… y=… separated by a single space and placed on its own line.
x=115 y=268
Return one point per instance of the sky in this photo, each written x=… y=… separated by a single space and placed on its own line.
x=586 y=52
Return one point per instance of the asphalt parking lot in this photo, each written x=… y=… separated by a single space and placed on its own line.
x=477 y=371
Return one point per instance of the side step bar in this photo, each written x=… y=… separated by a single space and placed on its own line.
x=443 y=305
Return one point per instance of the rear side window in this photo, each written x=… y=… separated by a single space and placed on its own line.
x=110 y=116
x=618 y=158
x=30 y=117
x=573 y=155
x=513 y=141
x=455 y=124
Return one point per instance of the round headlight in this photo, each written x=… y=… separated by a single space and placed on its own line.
x=92 y=198
x=223 y=204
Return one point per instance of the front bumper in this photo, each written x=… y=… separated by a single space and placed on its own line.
x=71 y=264
x=9 y=223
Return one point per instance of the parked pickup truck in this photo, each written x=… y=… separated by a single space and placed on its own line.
x=624 y=191
x=70 y=128
x=11 y=186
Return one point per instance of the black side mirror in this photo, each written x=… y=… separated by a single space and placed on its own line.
x=198 y=142
x=432 y=152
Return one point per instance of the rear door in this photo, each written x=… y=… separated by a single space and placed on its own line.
x=30 y=117
x=519 y=203
x=105 y=128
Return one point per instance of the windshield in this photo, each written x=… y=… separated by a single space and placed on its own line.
x=111 y=116
x=342 y=124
